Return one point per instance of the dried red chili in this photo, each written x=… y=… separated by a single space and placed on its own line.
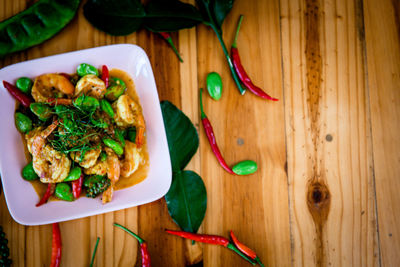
x=56 y=246
x=49 y=192
x=146 y=262
x=167 y=37
x=17 y=94
x=246 y=250
x=211 y=137
x=243 y=76
x=105 y=76
x=77 y=186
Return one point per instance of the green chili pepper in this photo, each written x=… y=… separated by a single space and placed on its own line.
x=63 y=191
x=245 y=167
x=114 y=145
x=87 y=103
x=41 y=110
x=36 y=24
x=107 y=108
x=28 y=173
x=103 y=156
x=85 y=69
x=116 y=89
x=74 y=174
x=24 y=84
x=132 y=134
x=214 y=85
x=23 y=122
x=120 y=136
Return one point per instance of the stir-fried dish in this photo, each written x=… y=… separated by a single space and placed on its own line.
x=83 y=130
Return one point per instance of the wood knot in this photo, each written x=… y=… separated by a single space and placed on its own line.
x=318 y=201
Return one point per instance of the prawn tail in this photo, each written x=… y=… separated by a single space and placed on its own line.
x=139 y=140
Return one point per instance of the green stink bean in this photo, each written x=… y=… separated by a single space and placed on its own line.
x=245 y=167
x=132 y=134
x=36 y=24
x=23 y=122
x=63 y=191
x=103 y=156
x=99 y=123
x=107 y=108
x=115 y=89
x=120 y=136
x=114 y=145
x=74 y=174
x=85 y=69
x=24 y=84
x=28 y=173
x=86 y=102
x=214 y=85
x=41 y=110
x=69 y=125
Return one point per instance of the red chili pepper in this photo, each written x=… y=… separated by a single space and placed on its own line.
x=246 y=250
x=77 y=186
x=56 y=246
x=47 y=195
x=167 y=37
x=210 y=239
x=105 y=76
x=17 y=94
x=244 y=78
x=146 y=262
x=211 y=137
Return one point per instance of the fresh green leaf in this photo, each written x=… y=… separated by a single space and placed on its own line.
x=187 y=200
x=120 y=17
x=169 y=16
x=183 y=139
x=220 y=9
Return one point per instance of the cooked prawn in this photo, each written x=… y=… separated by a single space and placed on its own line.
x=100 y=168
x=128 y=113
x=51 y=85
x=31 y=135
x=40 y=138
x=89 y=158
x=132 y=159
x=91 y=85
x=113 y=173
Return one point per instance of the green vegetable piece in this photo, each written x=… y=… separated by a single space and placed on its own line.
x=28 y=173
x=95 y=185
x=87 y=103
x=64 y=192
x=115 y=89
x=62 y=111
x=41 y=110
x=99 y=123
x=85 y=69
x=245 y=167
x=24 y=84
x=107 y=108
x=120 y=136
x=74 y=174
x=132 y=134
x=103 y=156
x=214 y=85
x=114 y=145
x=23 y=122
x=69 y=125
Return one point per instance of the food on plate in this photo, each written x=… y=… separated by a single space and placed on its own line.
x=82 y=134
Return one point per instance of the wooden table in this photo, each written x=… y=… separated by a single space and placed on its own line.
x=326 y=192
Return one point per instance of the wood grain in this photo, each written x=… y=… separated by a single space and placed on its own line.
x=383 y=53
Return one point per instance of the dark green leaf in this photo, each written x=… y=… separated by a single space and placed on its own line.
x=220 y=9
x=183 y=139
x=187 y=200
x=169 y=16
x=120 y=17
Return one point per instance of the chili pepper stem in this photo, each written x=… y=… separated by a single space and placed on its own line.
x=237 y=31
x=257 y=259
x=141 y=241
x=202 y=114
x=94 y=251
x=168 y=38
x=233 y=248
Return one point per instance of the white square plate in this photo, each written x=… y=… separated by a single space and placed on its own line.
x=20 y=195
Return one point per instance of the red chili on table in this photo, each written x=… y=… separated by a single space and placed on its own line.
x=246 y=250
x=77 y=186
x=56 y=246
x=17 y=94
x=211 y=137
x=167 y=37
x=243 y=76
x=49 y=192
x=105 y=76
x=146 y=262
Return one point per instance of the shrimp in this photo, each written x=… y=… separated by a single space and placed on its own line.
x=89 y=158
x=31 y=135
x=100 y=168
x=91 y=85
x=127 y=113
x=40 y=139
x=113 y=173
x=132 y=159
x=51 y=85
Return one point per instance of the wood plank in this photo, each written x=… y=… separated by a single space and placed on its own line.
x=331 y=187
x=247 y=127
x=382 y=31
